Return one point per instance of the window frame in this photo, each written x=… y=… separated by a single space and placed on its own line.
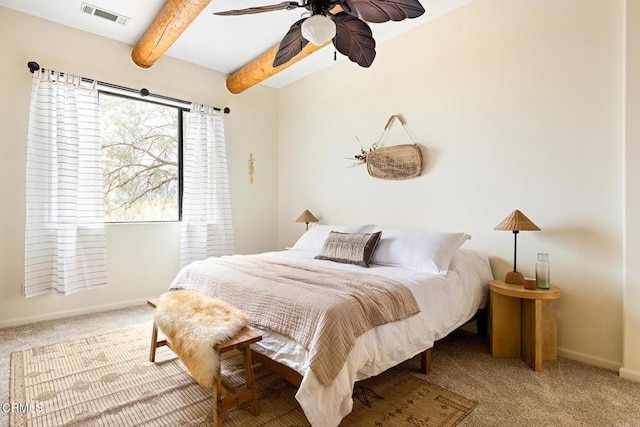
x=180 y=112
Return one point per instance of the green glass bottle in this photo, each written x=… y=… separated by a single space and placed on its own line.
x=543 y=280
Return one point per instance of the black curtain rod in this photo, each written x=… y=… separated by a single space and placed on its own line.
x=34 y=66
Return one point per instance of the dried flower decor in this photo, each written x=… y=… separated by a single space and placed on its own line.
x=361 y=157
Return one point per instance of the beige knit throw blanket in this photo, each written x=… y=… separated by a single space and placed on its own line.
x=194 y=324
x=323 y=309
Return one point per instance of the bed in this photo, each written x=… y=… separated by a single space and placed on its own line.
x=447 y=297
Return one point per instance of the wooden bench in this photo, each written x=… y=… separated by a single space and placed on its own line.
x=224 y=396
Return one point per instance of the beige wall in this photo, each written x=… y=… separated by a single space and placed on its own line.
x=520 y=106
x=142 y=258
x=631 y=359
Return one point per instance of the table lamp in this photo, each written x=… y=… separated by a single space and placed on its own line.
x=307 y=217
x=516 y=221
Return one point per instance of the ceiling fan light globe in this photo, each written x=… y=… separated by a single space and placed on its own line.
x=318 y=29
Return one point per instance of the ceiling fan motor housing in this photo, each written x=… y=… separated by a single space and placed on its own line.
x=319 y=7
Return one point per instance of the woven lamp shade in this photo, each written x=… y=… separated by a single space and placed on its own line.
x=517 y=221
x=307 y=217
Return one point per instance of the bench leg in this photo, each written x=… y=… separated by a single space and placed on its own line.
x=251 y=385
x=154 y=342
x=217 y=397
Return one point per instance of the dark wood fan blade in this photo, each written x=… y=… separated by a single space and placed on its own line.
x=354 y=39
x=285 y=5
x=291 y=44
x=383 y=10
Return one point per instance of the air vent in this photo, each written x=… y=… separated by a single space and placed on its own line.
x=105 y=14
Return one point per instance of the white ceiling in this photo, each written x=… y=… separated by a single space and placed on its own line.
x=222 y=43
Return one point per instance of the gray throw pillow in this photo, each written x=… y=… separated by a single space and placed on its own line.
x=349 y=248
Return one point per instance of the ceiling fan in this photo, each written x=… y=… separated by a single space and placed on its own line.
x=347 y=28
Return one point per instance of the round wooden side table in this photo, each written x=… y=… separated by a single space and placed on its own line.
x=523 y=323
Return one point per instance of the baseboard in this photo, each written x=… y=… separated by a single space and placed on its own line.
x=628 y=374
x=69 y=313
x=611 y=365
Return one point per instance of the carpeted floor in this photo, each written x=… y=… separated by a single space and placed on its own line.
x=565 y=393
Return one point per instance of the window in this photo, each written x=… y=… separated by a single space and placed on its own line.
x=141 y=142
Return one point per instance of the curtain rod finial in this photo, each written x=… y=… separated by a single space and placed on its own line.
x=227 y=110
x=33 y=66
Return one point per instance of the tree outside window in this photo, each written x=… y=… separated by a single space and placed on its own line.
x=140 y=156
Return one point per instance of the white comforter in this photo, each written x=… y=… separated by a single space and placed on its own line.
x=446 y=302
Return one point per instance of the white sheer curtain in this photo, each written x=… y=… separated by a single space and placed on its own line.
x=65 y=247
x=207 y=228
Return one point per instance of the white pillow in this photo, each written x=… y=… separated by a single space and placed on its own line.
x=313 y=239
x=427 y=251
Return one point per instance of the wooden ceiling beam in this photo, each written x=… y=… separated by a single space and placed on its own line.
x=262 y=67
x=174 y=17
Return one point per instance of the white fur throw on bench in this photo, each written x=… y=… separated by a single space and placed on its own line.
x=194 y=324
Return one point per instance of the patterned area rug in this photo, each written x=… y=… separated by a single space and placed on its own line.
x=107 y=380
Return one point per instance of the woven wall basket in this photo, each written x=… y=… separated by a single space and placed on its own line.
x=398 y=161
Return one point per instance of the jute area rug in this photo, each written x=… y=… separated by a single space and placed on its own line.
x=107 y=380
